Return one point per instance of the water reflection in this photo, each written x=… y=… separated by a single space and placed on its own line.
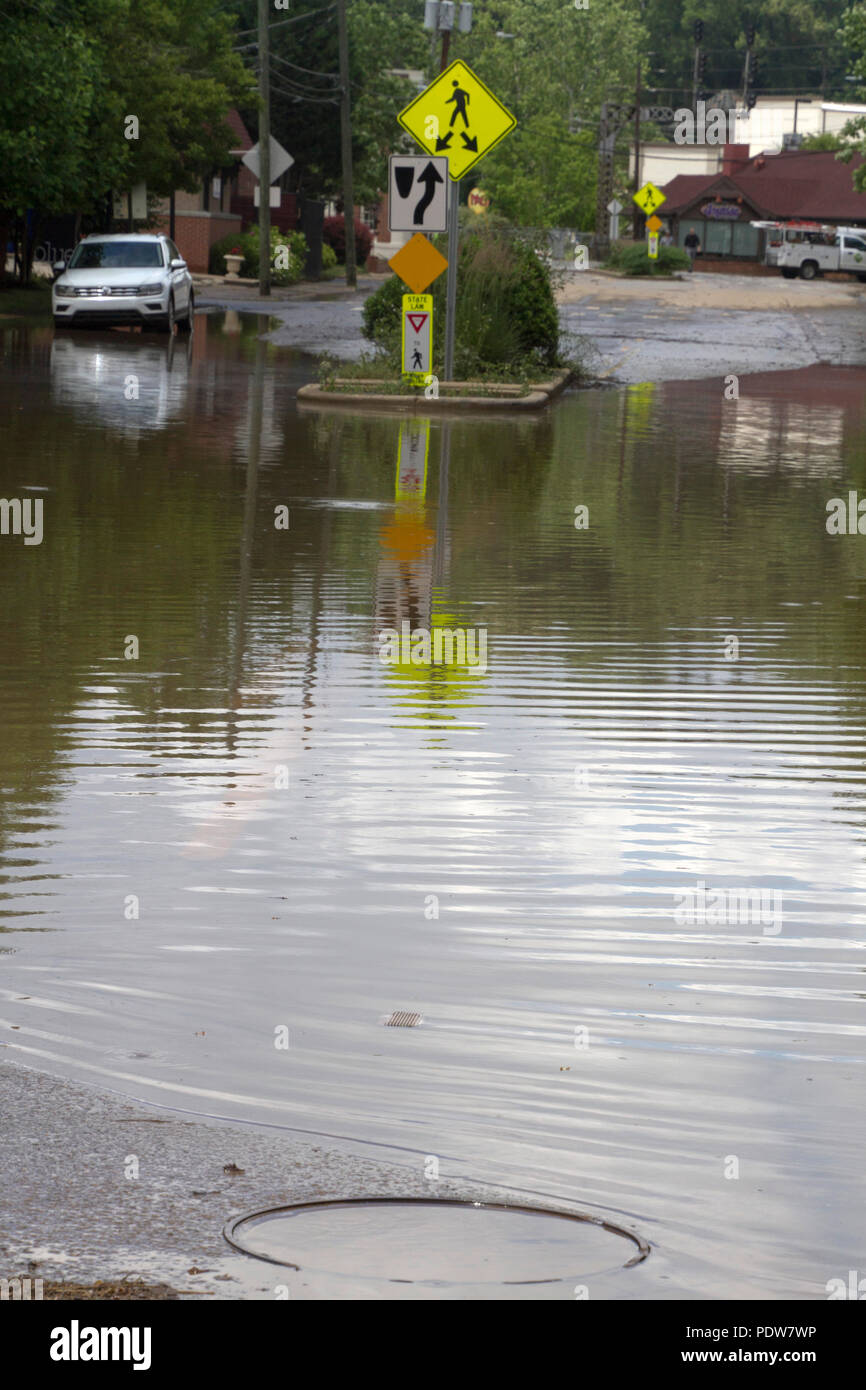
x=313 y=838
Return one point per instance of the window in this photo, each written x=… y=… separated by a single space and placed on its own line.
x=173 y=253
x=718 y=239
x=745 y=239
x=118 y=255
x=854 y=243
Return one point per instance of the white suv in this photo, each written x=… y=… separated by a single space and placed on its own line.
x=124 y=278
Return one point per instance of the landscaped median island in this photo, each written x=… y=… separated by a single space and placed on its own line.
x=507 y=339
x=394 y=395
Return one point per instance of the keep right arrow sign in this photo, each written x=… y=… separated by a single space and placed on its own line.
x=417 y=199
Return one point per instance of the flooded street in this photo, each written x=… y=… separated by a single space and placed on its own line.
x=237 y=838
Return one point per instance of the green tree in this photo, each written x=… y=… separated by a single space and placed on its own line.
x=854 y=132
x=70 y=74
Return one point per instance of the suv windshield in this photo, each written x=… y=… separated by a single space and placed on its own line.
x=120 y=255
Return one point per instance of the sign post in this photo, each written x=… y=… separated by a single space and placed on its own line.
x=458 y=116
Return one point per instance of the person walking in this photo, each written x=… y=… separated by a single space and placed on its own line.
x=692 y=244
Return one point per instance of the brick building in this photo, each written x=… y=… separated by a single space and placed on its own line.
x=810 y=186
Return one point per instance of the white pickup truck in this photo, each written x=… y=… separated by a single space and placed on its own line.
x=809 y=253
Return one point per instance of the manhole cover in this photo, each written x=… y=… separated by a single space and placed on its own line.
x=431 y=1241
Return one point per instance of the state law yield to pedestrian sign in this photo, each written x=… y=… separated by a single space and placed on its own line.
x=417 y=338
x=457 y=115
x=417 y=193
x=649 y=198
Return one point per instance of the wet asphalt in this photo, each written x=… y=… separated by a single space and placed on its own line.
x=627 y=339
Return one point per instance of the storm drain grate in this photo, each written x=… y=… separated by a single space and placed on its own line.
x=402 y=1019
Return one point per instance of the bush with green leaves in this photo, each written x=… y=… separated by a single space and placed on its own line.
x=247 y=243
x=507 y=322
x=329 y=257
x=632 y=259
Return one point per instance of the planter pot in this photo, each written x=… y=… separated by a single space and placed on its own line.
x=233 y=266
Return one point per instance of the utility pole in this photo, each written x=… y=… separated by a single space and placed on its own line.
x=346 y=143
x=607 y=128
x=264 y=14
x=748 y=71
x=638 y=221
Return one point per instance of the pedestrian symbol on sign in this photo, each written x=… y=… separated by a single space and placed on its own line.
x=460 y=98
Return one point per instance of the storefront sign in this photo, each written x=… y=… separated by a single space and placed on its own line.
x=728 y=212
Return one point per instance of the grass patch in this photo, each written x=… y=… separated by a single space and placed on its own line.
x=16 y=301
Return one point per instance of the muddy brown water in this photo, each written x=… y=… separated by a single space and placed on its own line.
x=228 y=860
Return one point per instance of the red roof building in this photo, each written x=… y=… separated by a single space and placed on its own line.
x=794 y=185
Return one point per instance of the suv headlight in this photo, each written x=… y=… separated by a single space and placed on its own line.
x=64 y=291
x=155 y=287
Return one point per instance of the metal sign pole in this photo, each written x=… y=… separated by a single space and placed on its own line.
x=451 y=283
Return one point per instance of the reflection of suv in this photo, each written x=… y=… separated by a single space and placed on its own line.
x=124 y=279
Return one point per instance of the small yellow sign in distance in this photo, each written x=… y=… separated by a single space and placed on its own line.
x=654 y=224
x=649 y=198
x=418 y=263
x=457 y=115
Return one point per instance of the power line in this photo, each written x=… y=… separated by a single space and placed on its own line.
x=331 y=77
x=282 y=22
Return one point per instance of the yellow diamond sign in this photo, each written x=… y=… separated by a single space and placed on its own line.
x=649 y=198
x=457 y=116
x=654 y=224
x=418 y=263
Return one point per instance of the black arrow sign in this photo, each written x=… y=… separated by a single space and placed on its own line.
x=469 y=144
x=430 y=176
x=443 y=141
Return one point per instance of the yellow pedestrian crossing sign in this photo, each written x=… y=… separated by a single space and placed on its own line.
x=649 y=198
x=459 y=116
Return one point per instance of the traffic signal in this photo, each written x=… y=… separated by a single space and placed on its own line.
x=750 y=34
x=702 y=66
x=699 y=30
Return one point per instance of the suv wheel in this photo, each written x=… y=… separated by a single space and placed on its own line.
x=185 y=325
x=169 y=323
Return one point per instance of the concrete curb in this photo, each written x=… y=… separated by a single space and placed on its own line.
x=541 y=394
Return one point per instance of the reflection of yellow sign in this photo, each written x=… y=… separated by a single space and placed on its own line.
x=654 y=224
x=418 y=263
x=478 y=200
x=458 y=116
x=649 y=198
x=412 y=454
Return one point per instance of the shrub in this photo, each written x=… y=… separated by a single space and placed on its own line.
x=506 y=312
x=248 y=243
x=334 y=234
x=632 y=259
x=329 y=257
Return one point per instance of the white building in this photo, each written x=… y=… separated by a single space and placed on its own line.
x=762 y=129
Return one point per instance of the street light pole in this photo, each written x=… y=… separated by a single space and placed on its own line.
x=264 y=14
x=346 y=145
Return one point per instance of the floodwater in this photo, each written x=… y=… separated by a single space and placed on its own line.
x=228 y=859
